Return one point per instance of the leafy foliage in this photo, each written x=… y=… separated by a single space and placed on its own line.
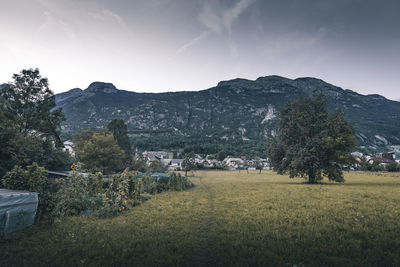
x=188 y=162
x=98 y=151
x=138 y=164
x=30 y=124
x=119 y=130
x=33 y=103
x=311 y=142
x=111 y=196
x=156 y=166
x=34 y=178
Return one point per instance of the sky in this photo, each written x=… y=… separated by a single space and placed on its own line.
x=176 y=45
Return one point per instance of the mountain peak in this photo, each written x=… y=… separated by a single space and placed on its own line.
x=107 y=88
x=270 y=78
x=234 y=82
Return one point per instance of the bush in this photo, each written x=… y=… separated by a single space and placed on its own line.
x=122 y=193
x=74 y=198
x=88 y=195
x=35 y=179
x=178 y=182
x=393 y=167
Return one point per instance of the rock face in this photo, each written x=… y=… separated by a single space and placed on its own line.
x=238 y=109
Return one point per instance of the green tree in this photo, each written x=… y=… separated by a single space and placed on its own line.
x=30 y=124
x=156 y=166
x=100 y=152
x=33 y=104
x=138 y=164
x=311 y=142
x=221 y=155
x=188 y=162
x=120 y=131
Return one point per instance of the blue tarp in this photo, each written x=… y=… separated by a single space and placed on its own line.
x=17 y=210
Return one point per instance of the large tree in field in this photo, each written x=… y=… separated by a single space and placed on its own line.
x=188 y=162
x=311 y=142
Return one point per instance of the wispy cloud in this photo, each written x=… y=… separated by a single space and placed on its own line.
x=54 y=23
x=219 y=20
x=192 y=42
x=106 y=15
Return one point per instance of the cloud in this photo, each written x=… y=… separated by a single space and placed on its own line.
x=54 y=23
x=106 y=14
x=219 y=20
x=192 y=42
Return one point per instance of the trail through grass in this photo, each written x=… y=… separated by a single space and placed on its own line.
x=231 y=218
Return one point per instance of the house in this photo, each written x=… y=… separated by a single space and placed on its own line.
x=150 y=156
x=68 y=147
x=233 y=162
x=165 y=162
x=198 y=159
x=380 y=161
x=211 y=163
x=175 y=164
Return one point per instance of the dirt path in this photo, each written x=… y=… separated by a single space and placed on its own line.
x=203 y=252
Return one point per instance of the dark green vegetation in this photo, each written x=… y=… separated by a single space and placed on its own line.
x=98 y=151
x=120 y=132
x=188 y=162
x=311 y=142
x=92 y=194
x=34 y=179
x=237 y=115
x=30 y=124
x=231 y=219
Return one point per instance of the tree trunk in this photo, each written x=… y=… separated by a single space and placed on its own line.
x=186 y=172
x=311 y=177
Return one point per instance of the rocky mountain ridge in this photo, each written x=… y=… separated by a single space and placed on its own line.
x=238 y=109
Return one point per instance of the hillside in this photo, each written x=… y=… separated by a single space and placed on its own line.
x=237 y=110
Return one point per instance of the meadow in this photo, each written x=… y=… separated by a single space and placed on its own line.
x=231 y=218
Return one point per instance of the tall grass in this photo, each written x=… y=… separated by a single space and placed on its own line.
x=232 y=218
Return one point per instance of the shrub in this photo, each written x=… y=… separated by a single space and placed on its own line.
x=35 y=179
x=122 y=193
x=393 y=167
x=74 y=198
x=178 y=182
x=147 y=184
x=95 y=184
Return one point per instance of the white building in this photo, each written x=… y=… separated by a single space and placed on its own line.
x=68 y=147
x=233 y=162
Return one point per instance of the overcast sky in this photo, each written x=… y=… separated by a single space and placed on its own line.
x=171 y=45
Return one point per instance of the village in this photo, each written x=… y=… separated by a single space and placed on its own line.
x=173 y=161
x=208 y=162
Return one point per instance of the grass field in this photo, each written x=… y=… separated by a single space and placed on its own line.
x=232 y=218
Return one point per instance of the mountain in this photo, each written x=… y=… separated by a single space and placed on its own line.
x=237 y=110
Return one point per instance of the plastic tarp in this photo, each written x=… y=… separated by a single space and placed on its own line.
x=156 y=176
x=17 y=210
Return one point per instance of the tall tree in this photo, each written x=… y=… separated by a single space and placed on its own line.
x=33 y=103
x=188 y=162
x=311 y=142
x=120 y=131
x=100 y=152
x=29 y=124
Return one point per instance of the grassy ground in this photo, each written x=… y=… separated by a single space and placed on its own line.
x=232 y=218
